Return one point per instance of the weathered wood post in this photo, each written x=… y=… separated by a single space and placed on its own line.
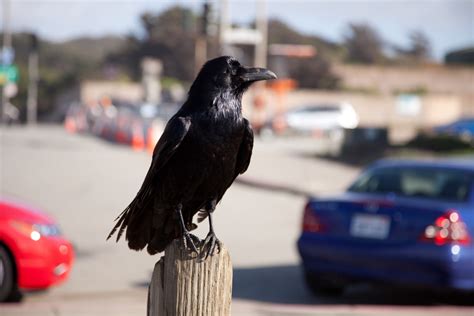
x=181 y=285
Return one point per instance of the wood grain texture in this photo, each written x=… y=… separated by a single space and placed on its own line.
x=181 y=285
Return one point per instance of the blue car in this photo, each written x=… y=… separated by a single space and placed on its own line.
x=463 y=128
x=401 y=222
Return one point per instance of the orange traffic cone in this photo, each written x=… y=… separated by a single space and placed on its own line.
x=150 y=143
x=153 y=135
x=138 y=141
x=70 y=124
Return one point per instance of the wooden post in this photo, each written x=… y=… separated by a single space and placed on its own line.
x=181 y=285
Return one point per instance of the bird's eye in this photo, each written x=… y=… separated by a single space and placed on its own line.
x=228 y=71
x=235 y=64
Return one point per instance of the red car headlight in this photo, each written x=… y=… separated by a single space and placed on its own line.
x=35 y=231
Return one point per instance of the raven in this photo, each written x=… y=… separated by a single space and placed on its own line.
x=204 y=147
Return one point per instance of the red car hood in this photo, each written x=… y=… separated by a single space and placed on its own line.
x=11 y=209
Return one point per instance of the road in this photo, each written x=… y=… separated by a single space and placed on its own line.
x=85 y=182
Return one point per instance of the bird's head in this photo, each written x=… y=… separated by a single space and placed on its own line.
x=226 y=74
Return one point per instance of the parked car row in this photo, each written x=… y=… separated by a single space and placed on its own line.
x=138 y=126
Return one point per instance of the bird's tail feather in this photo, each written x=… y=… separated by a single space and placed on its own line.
x=161 y=237
x=139 y=228
x=142 y=200
x=120 y=219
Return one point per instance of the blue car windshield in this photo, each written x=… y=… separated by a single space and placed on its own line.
x=425 y=182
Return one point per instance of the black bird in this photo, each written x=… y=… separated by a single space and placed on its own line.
x=204 y=147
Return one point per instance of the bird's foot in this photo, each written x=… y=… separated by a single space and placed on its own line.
x=210 y=243
x=189 y=241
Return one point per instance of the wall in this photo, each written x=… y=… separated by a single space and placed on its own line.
x=455 y=80
x=447 y=94
x=127 y=91
x=373 y=110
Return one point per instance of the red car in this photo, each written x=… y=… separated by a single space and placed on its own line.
x=33 y=253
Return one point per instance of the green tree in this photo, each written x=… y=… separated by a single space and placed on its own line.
x=281 y=33
x=364 y=45
x=169 y=36
x=418 y=50
x=313 y=72
x=420 y=46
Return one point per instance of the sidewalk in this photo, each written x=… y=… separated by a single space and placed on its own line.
x=134 y=304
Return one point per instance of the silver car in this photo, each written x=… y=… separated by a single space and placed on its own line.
x=322 y=122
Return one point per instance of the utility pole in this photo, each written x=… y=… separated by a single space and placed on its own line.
x=200 y=50
x=200 y=53
x=32 y=101
x=7 y=44
x=262 y=28
x=257 y=37
x=223 y=26
x=260 y=60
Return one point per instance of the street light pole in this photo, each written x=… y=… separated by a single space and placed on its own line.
x=223 y=26
x=7 y=40
x=32 y=101
x=262 y=27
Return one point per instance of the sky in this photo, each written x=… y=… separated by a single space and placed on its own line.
x=449 y=24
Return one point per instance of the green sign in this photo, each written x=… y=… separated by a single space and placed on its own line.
x=8 y=74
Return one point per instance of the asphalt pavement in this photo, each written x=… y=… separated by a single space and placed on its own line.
x=85 y=182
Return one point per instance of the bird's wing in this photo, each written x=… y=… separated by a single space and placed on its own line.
x=242 y=163
x=245 y=150
x=173 y=135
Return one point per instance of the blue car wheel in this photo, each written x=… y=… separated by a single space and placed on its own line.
x=324 y=285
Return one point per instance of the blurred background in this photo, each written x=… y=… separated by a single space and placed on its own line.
x=88 y=86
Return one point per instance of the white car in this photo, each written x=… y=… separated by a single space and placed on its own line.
x=325 y=117
x=325 y=122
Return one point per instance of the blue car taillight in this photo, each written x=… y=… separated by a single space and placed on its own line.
x=448 y=228
x=311 y=222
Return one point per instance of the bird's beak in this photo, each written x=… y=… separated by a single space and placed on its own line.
x=256 y=74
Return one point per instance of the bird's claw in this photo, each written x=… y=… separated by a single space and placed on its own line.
x=210 y=243
x=188 y=241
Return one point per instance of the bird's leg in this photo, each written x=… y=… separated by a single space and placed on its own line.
x=187 y=237
x=211 y=240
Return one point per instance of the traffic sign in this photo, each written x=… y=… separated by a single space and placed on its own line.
x=242 y=36
x=7 y=55
x=290 y=50
x=8 y=74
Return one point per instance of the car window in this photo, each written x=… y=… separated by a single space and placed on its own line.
x=425 y=182
x=319 y=109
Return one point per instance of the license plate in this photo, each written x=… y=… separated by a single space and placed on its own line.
x=370 y=226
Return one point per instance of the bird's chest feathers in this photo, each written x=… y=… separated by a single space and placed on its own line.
x=226 y=109
x=223 y=120
x=224 y=130
x=219 y=130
